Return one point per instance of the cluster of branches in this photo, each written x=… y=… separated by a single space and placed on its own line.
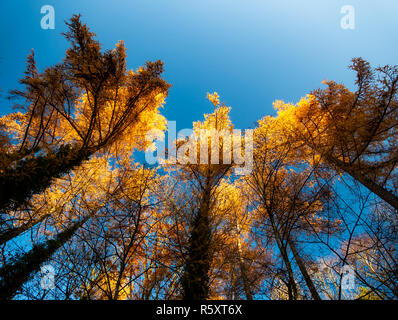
x=322 y=194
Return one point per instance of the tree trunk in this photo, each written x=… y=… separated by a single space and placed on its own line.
x=14 y=275
x=243 y=272
x=195 y=280
x=15 y=232
x=380 y=191
x=292 y=287
x=34 y=175
x=304 y=272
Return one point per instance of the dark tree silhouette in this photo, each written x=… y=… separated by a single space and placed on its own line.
x=52 y=95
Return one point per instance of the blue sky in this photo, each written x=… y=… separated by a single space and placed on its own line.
x=251 y=52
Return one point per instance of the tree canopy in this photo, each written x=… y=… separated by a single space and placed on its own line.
x=320 y=197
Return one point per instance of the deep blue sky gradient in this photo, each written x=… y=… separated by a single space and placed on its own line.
x=252 y=52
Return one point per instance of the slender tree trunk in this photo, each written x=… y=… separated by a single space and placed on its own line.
x=290 y=287
x=297 y=258
x=15 y=232
x=195 y=280
x=243 y=270
x=282 y=249
x=383 y=193
x=34 y=175
x=303 y=269
x=125 y=255
x=14 y=275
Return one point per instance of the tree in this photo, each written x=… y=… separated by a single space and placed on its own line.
x=289 y=195
x=195 y=280
x=237 y=264
x=355 y=133
x=86 y=104
x=73 y=110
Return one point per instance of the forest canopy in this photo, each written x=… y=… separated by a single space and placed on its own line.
x=314 y=218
